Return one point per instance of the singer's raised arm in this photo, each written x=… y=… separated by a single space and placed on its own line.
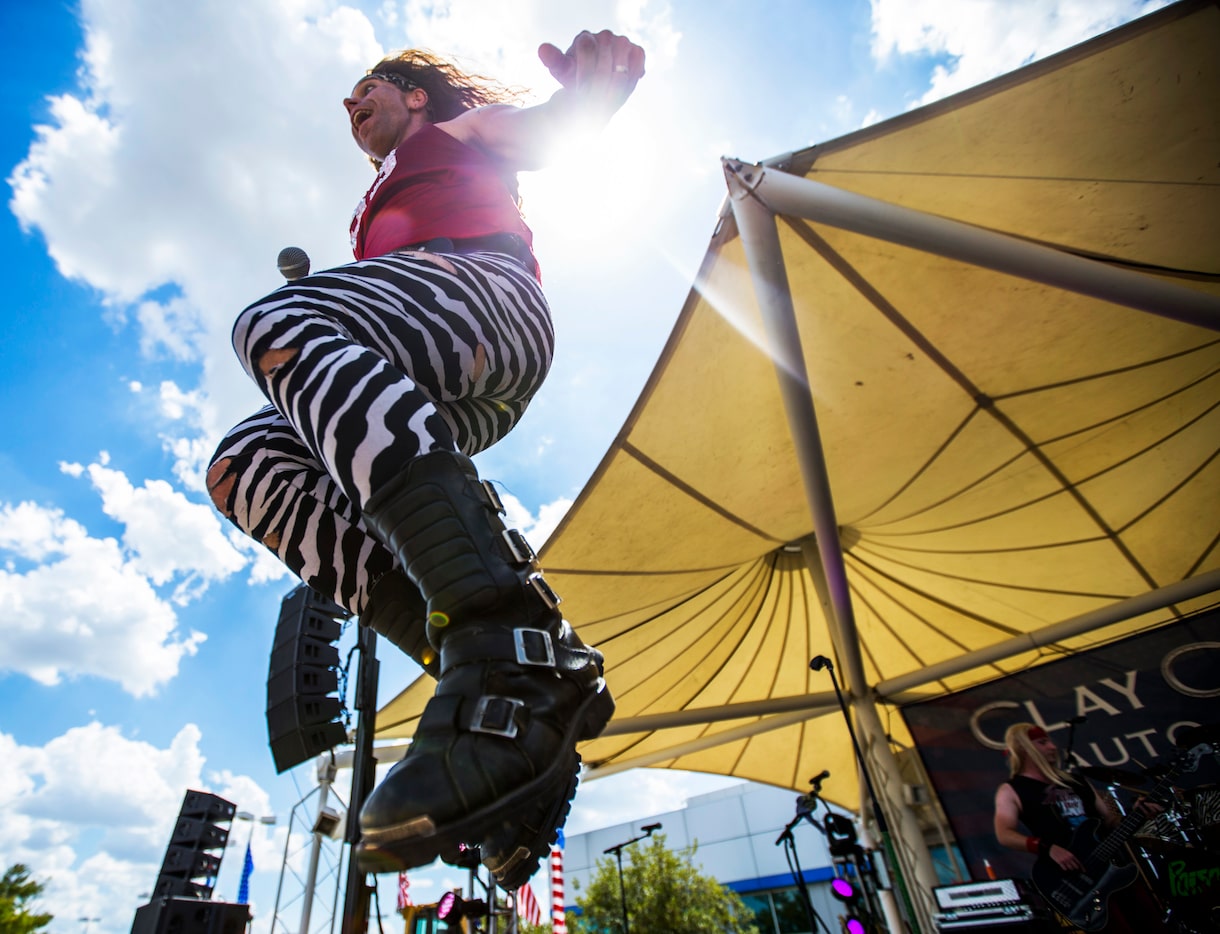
x=597 y=73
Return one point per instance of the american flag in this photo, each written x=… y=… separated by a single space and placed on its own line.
x=527 y=905
x=404 y=897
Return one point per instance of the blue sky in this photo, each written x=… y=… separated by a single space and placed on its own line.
x=158 y=156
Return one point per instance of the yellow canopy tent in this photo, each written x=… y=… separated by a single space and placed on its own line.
x=944 y=399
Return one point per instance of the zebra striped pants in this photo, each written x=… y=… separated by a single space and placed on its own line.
x=366 y=367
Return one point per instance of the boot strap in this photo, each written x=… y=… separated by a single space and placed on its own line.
x=527 y=647
x=488 y=713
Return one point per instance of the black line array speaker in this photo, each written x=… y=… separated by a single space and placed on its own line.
x=189 y=869
x=190 y=916
x=302 y=715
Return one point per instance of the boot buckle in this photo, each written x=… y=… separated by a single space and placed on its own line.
x=492 y=497
x=539 y=649
x=521 y=550
x=543 y=589
x=496 y=715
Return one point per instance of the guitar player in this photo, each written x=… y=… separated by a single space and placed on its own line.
x=1056 y=808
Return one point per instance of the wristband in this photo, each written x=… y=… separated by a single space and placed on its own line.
x=1033 y=845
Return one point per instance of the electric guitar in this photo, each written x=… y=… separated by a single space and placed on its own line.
x=1083 y=897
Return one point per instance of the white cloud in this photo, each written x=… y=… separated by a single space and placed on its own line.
x=190 y=411
x=92 y=787
x=205 y=136
x=986 y=38
x=173 y=326
x=537 y=529
x=167 y=535
x=84 y=608
x=629 y=796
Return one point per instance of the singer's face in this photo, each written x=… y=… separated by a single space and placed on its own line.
x=380 y=116
x=1046 y=746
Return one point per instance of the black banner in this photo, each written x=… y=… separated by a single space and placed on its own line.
x=1140 y=697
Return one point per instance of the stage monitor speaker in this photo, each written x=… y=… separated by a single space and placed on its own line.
x=302 y=716
x=190 y=916
x=188 y=869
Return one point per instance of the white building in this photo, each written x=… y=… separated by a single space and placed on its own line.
x=734 y=833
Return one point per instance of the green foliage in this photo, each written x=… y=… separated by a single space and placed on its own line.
x=524 y=927
x=665 y=895
x=16 y=890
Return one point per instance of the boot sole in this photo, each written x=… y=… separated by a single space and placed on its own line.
x=420 y=842
x=513 y=853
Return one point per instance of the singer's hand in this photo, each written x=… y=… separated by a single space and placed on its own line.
x=604 y=66
x=598 y=72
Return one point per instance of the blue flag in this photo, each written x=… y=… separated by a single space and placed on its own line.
x=247 y=869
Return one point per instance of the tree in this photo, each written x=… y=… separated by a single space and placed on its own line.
x=665 y=895
x=16 y=889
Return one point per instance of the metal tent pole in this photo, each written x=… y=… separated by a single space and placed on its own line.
x=760 y=238
x=793 y=195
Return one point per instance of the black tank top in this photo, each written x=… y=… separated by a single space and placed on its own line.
x=1051 y=811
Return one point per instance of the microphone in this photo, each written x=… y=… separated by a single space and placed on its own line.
x=293 y=263
x=820 y=777
x=820 y=662
x=649 y=828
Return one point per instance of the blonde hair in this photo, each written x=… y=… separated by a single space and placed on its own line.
x=1022 y=751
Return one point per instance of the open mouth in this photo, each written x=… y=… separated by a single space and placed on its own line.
x=359 y=117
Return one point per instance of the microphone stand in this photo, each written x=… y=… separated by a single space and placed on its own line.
x=364 y=768
x=817 y=664
x=794 y=862
x=617 y=850
x=1069 y=764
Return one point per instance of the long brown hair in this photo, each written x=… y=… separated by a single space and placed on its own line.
x=450 y=90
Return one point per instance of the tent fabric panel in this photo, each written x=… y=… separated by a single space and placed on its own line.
x=726 y=387
x=710 y=538
x=1093 y=148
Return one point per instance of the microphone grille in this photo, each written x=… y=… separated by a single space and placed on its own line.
x=293 y=262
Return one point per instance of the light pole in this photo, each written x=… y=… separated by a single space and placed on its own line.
x=617 y=850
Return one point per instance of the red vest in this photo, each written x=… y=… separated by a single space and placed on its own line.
x=433 y=186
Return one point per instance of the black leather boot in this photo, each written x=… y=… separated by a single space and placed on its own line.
x=493 y=763
x=396 y=611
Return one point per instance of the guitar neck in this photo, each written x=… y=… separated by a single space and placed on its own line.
x=1133 y=820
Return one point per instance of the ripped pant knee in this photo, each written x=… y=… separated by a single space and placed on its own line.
x=220 y=482
x=253 y=327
